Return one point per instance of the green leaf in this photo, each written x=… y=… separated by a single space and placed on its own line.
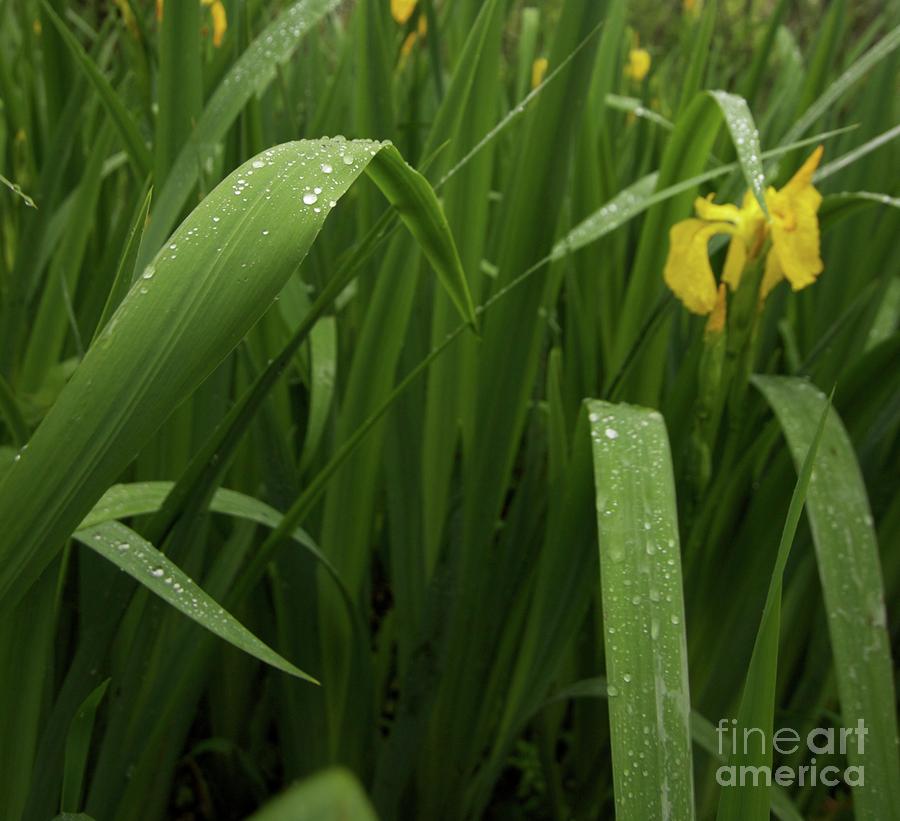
x=415 y=201
x=144 y=563
x=850 y=574
x=228 y=260
x=750 y=801
x=333 y=795
x=746 y=142
x=643 y=613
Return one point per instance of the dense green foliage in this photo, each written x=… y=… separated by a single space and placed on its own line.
x=441 y=504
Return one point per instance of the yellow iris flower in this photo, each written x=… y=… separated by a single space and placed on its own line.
x=638 y=64
x=219 y=20
x=793 y=228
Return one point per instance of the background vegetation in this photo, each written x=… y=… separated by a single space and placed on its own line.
x=368 y=438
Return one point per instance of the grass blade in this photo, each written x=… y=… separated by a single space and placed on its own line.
x=750 y=802
x=144 y=563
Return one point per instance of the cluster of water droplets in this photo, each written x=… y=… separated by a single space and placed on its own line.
x=310 y=174
x=745 y=136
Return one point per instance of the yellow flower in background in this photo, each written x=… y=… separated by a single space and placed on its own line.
x=692 y=7
x=792 y=227
x=219 y=20
x=538 y=70
x=401 y=10
x=216 y=10
x=638 y=64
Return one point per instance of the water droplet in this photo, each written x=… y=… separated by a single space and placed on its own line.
x=265 y=233
x=157 y=572
x=310 y=198
x=326 y=168
x=258 y=164
x=674 y=619
x=611 y=433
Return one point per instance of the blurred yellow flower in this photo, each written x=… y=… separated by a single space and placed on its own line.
x=216 y=10
x=538 y=70
x=401 y=10
x=638 y=64
x=219 y=20
x=793 y=228
x=692 y=7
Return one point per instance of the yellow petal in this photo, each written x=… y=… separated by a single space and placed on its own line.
x=735 y=260
x=707 y=210
x=795 y=225
x=638 y=64
x=401 y=10
x=220 y=21
x=687 y=272
x=159 y=9
x=538 y=70
x=803 y=178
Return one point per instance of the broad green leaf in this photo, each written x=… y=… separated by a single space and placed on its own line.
x=144 y=563
x=850 y=575
x=643 y=613
x=333 y=795
x=228 y=260
x=751 y=801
